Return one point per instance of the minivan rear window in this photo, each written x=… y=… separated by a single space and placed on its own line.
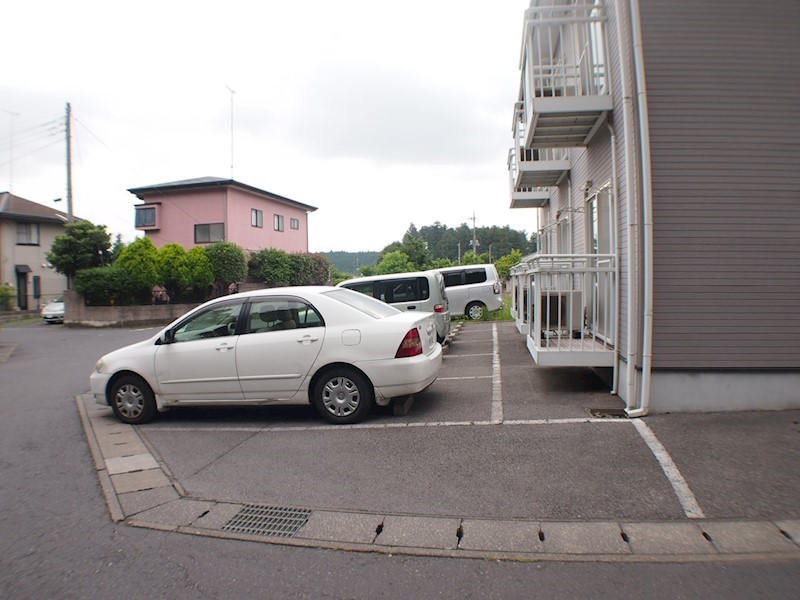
x=475 y=275
x=413 y=289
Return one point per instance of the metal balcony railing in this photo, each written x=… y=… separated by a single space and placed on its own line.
x=565 y=88
x=566 y=305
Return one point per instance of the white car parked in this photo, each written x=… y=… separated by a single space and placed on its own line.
x=53 y=311
x=333 y=347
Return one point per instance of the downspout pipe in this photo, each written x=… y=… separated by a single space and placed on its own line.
x=615 y=378
x=647 y=214
x=630 y=209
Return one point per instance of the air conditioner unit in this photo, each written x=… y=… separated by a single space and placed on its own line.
x=562 y=311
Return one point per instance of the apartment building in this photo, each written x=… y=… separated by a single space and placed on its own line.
x=658 y=144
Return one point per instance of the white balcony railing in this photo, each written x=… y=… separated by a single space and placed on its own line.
x=565 y=92
x=566 y=305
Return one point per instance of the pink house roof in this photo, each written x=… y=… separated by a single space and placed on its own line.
x=211 y=182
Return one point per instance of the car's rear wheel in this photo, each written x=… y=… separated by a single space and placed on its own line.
x=475 y=310
x=132 y=400
x=342 y=396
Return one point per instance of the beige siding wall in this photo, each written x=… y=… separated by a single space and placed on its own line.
x=723 y=89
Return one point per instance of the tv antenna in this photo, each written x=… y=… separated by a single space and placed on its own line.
x=233 y=93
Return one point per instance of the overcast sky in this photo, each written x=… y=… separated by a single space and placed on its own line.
x=378 y=113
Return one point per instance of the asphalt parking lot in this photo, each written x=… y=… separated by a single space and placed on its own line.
x=497 y=458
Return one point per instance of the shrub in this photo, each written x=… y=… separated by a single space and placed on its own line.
x=7 y=294
x=105 y=286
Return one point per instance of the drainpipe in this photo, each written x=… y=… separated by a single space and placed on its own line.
x=647 y=214
x=630 y=211
x=615 y=378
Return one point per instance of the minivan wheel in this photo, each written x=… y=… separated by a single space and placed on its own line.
x=342 y=396
x=475 y=310
x=132 y=400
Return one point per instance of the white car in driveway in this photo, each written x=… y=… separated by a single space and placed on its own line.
x=335 y=348
x=53 y=311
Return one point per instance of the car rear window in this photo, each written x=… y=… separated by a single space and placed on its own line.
x=413 y=289
x=361 y=302
x=476 y=275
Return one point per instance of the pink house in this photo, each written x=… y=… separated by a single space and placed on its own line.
x=211 y=209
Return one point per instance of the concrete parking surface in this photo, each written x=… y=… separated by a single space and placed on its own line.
x=499 y=458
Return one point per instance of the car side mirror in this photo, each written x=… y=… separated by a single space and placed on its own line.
x=167 y=337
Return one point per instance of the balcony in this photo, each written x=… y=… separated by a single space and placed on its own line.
x=524 y=196
x=565 y=90
x=566 y=306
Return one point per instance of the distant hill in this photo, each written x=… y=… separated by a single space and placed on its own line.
x=350 y=262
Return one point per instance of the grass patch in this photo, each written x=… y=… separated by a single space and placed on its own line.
x=502 y=314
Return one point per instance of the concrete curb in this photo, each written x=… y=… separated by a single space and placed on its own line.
x=140 y=490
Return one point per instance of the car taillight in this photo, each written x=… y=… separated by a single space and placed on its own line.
x=496 y=288
x=438 y=308
x=410 y=346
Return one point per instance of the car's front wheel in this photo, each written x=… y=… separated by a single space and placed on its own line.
x=475 y=311
x=132 y=400
x=343 y=396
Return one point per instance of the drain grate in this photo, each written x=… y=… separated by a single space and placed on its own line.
x=276 y=521
x=608 y=413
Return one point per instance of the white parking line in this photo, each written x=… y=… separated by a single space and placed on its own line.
x=685 y=496
x=497 y=389
x=467 y=377
x=463 y=355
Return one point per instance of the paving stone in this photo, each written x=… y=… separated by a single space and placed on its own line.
x=136 y=502
x=667 y=538
x=747 y=537
x=501 y=536
x=584 y=538
x=217 y=516
x=419 y=532
x=180 y=513
x=354 y=528
x=130 y=464
x=140 y=480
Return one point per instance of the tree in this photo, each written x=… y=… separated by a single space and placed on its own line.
x=394 y=262
x=504 y=263
x=201 y=272
x=470 y=258
x=140 y=260
x=83 y=245
x=271 y=266
x=173 y=270
x=438 y=263
x=229 y=264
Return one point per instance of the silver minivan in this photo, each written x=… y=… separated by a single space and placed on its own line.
x=423 y=291
x=472 y=289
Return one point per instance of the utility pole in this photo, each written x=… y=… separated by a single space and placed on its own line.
x=474 y=236
x=69 y=162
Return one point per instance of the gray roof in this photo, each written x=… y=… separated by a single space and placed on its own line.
x=19 y=209
x=144 y=192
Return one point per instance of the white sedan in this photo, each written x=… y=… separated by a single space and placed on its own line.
x=332 y=347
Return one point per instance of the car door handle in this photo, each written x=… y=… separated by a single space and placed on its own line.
x=307 y=339
x=411 y=308
x=223 y=347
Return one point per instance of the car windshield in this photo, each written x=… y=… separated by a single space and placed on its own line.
x=366 y=304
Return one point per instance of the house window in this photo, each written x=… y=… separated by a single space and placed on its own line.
x=256 y=217
x=294 y=223
x=207 y=233
x=146 y=217
x=278 y=222
x=27 y=234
